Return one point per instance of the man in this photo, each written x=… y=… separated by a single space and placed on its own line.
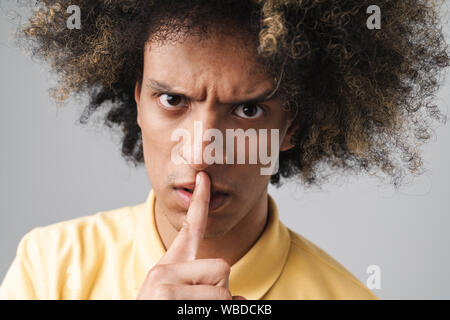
x=209 y=229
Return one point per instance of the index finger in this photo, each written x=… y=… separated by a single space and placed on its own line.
x=185 y=245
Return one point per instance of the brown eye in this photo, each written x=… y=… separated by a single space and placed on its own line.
x=171 y=101
x=248 y=111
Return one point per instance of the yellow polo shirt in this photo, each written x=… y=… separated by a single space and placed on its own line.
x=107 y=256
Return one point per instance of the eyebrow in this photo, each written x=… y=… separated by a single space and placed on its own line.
x=160 y=86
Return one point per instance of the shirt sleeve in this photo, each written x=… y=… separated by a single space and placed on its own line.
x=21 y=279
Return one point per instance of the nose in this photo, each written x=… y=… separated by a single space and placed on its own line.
x=201 y=150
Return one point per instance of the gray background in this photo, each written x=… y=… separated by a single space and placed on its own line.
x=53 y=169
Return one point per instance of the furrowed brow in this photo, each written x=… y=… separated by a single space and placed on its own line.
x=262 y=97
x=160 y=86
x=157 y=85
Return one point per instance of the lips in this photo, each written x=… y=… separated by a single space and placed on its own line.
x=189 y=187
x=188 y=190
x=184 y=193
x=214 y=193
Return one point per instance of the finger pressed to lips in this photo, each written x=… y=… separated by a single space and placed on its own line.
x=179 y=274
x=217 y=200
x=185 y=245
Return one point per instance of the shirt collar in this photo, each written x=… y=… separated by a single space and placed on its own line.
x=251 y=276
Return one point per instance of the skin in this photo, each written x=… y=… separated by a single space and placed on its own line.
x=217 y=74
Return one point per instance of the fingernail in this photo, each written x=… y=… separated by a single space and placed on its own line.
x=197 y=179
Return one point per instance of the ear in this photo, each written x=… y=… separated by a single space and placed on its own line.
x=286 y=143
x=137 y=98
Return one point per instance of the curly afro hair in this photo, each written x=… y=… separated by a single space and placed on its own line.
x=362 y=98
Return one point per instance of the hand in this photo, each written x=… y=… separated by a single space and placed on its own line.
x=178 y=275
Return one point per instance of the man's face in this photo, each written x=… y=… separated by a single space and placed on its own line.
x=206 y=82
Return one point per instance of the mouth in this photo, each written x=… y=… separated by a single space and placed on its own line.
x=217 y=197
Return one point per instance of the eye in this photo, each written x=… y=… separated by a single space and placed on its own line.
x=171 y=101
x=248 y=111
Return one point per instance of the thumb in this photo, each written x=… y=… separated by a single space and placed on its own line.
x=239 y=298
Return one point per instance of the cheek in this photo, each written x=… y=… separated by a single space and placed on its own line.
x=156 y=141
x=153 y=139
x=156 y=131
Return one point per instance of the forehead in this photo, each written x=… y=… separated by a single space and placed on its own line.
x=224 y=63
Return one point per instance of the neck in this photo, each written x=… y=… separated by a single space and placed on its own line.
x=230 y=246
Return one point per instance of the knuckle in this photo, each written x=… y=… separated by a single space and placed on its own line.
x=155 y=273
x=185 y=225
x=223 y=293
x=222 y=266
x=195 y=232
x=163 y=291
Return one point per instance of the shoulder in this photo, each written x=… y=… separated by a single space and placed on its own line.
x=85 y=242
x=49 y=256
x=80 y=241
x=311 y=273
x=100 y=227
